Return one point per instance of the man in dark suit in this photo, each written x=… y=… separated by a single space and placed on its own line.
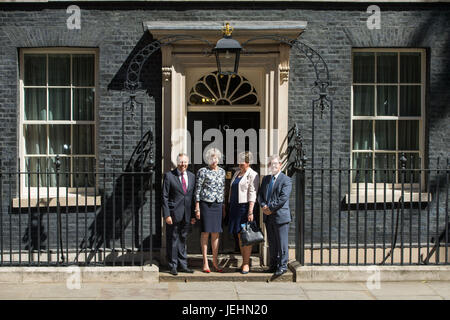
x=177 y=205
x=273 y=197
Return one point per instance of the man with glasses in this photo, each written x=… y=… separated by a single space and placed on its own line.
x=273 y=197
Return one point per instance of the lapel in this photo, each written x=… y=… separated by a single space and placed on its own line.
x=177 y=178
x=191 y=182
x=277 y=182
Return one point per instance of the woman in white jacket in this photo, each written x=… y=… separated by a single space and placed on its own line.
x=242 y=197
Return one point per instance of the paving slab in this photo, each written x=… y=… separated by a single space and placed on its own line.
x=333 y=286
x=256 y=288
x=44 y=290
x=403 y=289
x=441 y=288
x=200 y=286
x=273 y=297
x=410 y=298
x=338 y=295
x=196 y=295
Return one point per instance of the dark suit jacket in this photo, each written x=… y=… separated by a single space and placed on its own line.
x=278 y=201
x=174 y=202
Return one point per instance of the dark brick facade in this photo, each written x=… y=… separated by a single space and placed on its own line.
x=333 y=30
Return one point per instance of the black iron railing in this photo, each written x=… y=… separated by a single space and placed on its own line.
x=343 y=218
x=107 y=221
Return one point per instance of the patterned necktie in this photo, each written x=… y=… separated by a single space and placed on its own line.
x=269 y=189
x=183 y=183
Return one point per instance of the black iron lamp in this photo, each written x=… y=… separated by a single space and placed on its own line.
x=227 y=51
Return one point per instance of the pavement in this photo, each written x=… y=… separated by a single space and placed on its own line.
x=404 y=290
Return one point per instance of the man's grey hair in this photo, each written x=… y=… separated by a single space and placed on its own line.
x=211 y=153
x=181 y=154
x=273 y=157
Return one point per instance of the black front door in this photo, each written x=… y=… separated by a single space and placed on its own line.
x=221 y=121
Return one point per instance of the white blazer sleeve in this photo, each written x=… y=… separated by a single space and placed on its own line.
x=253 y=187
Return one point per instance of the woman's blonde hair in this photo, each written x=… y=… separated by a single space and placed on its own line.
x=246 y=157
x=211 y=153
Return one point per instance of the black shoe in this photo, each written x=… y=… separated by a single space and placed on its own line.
x=173 y=272
x=279 y=272
x=271 y=270
x=186 y=270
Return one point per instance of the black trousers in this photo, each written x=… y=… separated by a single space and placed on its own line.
x=176 y=235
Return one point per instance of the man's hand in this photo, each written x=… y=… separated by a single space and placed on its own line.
x=193 y=221
x=266 y=210
x=250 y=217
x=169 y=220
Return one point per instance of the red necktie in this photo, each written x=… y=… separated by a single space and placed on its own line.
x=183 y=183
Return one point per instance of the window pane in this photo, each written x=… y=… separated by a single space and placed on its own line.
x=363 y=100
x=84 y=172
x=363 y=67
x=34 y=72
x=59 y=70
x=35 y=165
x=362 y=162
x=387 y=67
x=83 y=139
x=35 y=104
x=59 y=139
x=83 y=69
x=408 y=135
x=384 y=166
x=385 y=135
x=35 y=139
x=412 y=162
x=410 y=67
x=59 y=104
x=64 y=178
x=362 y=134
x=83 y=104
x=387 y=100
x=410 y=99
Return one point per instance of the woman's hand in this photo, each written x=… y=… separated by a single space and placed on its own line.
x=197 y=210
x=250 y=217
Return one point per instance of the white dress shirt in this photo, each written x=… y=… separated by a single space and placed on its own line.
x=185 y=177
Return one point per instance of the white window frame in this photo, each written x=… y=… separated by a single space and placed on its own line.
x=421 y=119
x=32 y=192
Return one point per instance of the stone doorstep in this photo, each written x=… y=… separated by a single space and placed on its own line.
x=225 y=260
x=368 y=273
x=229 y=274
x=144 y=273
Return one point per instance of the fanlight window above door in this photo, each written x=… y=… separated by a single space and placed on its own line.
x=214 y=89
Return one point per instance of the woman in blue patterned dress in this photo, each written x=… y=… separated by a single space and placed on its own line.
x=244 y=188
x=209 y=206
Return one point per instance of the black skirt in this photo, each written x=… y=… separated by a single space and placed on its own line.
x=211 y=216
